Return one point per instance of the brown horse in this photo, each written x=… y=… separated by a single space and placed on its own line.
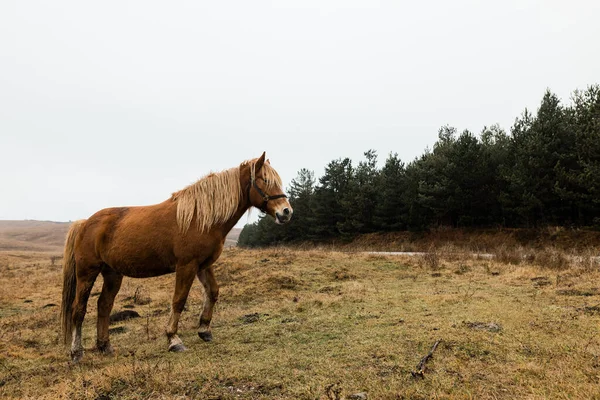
x=184 y=234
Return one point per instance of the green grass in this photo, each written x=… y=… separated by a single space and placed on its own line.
x=320 y=325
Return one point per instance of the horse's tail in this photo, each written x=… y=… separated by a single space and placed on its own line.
x=69 y=282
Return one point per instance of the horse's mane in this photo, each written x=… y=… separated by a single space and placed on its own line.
x=215 y=198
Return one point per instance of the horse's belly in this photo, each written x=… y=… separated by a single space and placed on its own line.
x=141 y=264
x=145 y=271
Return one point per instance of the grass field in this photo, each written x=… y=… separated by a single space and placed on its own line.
x=319 y=324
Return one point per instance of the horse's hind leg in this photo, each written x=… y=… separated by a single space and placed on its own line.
x=85 y=282
x=184 y=277
x=110 y=288
x=211 y=294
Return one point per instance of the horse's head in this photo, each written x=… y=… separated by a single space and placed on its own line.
x=265 y=191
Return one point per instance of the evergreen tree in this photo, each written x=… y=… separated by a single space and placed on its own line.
x=514 y=196
x=301 y=197
x=418 y=215
x=360 y=197
x=436 y=185
x=328 y=205
x=390 y=208
x=582 y=183
x=495 y=158
x=540 y=144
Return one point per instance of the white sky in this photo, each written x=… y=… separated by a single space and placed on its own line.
x=124 y=102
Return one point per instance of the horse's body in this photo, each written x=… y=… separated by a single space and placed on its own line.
x=184 y=234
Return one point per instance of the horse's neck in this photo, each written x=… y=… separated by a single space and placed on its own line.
x=243 y=206
x=228 y=225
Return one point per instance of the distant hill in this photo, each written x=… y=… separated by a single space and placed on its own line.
x=33 y=235
x=232 y=238
x=50 y=236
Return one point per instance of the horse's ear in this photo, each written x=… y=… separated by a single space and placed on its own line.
x=260 y=162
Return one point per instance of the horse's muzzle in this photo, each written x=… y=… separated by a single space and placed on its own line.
x=283 y=217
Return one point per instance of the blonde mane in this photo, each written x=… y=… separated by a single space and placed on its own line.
x=215 y=198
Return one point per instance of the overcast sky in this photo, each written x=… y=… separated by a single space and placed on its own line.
x=124 y=102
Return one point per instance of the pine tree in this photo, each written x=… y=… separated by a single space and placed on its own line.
x=390 y=208
x=585 y=180
x=360 y=197
x=301 y=197
x=436 y=186
x=329 y=211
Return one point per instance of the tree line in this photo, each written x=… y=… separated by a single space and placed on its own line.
x=545 y=171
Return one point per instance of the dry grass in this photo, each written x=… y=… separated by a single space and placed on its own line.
x=480 y=240
x=320 y=324
x=548 y=258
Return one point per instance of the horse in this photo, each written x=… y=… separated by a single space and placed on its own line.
x=184 y=234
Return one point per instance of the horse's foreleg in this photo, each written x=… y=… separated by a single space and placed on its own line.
x=85 y=283
x=110 y=288
x=211 y=294
x=184 y=277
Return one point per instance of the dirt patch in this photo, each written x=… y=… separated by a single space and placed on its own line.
x=123 y=316
x=251 y=318
x=591 y=310
x=578 y=292
x=540 y=281
x=483 y=326
x=117 y=330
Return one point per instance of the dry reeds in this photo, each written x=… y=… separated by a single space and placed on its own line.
x=431 y=259
x=547 y=258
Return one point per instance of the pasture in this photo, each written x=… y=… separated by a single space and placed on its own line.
x=318 y=324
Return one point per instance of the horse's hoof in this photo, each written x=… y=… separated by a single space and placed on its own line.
x=76 y=355
x=206 y=336
x=177 y=348
x=105 y=349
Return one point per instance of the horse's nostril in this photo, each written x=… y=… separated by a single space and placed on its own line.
x=286 y=211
